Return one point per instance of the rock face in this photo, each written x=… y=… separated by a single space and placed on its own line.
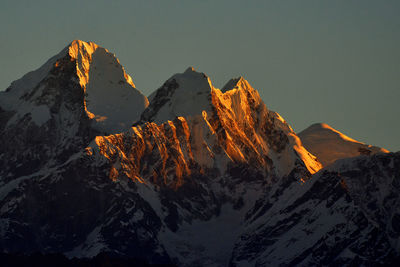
x=330 y=145
x=204 y=177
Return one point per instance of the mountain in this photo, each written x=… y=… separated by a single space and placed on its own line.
x=330 y=145
x=53 y=112
x=204 y=177
x=235 y=120
x=207 y=168
x=81 y=70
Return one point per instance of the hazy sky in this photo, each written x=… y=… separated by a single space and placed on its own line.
x=336 y=62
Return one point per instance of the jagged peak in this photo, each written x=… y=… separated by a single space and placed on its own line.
x=237 y=83
x=238 y=91
x=233 y=83
x=79 y=47
x=83 y=52
x=78 y=42
x=192 y=92
x=109 y=94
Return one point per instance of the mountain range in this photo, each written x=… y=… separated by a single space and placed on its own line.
x=192 y=175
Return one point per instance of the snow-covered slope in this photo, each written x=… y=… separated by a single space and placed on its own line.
x=329 y=145
x=346 y=215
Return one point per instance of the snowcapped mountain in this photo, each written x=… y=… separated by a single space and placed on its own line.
x=56 y=110
x=204 y=177
x=206 y=168
x=235 y=120
x=107 y=94
x=330 y=145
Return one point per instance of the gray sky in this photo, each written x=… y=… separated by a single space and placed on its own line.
x=336 y=62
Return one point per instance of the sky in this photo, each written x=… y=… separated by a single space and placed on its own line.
x=336 y=62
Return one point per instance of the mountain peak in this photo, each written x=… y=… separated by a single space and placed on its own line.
x=78 y=42
x=329 y=145
x=77 y=46
x=327 y=129
x=111 y=97
x=184 y=94
x=237 y=83
x=90 y=72
x=236 y=112
x=233 y=83
x=110 y=92
x=192 y=74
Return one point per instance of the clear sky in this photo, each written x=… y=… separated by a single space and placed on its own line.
x=336 y=62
